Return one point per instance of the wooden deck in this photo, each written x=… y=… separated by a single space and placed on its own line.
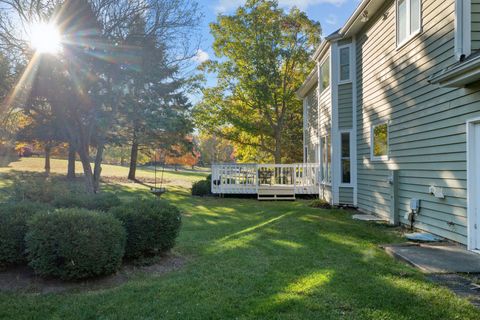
x=267 y=181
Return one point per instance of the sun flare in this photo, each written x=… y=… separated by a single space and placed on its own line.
x=45 y=38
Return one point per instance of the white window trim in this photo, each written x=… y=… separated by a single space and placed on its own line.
x=463 y=28
x=350 y=64
x=411 y=35
x=385 y=157
x=471 y=172
x=320 y=89
x=342 y=184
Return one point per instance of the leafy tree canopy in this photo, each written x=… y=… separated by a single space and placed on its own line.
x=263 y=57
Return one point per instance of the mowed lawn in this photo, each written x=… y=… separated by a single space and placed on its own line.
x=261 y=260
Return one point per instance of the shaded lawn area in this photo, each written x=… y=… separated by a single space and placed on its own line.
x=262 y=260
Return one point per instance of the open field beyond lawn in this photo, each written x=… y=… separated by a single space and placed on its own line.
x=252 y=260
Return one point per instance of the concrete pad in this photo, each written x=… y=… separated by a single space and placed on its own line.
x=367 y=217
x=431 y=258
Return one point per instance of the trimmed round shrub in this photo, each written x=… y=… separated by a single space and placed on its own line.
x=13 y=227
x=152 y=227
x=202 y=188
x=74 y=244
x=101 y=201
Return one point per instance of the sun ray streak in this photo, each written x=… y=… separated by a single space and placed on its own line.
x=21 y=90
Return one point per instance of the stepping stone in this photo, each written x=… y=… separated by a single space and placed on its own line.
x=422 y=237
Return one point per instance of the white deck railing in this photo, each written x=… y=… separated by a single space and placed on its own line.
x=247 y=178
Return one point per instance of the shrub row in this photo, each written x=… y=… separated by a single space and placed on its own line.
x=75 y=243
x=13 y=227
x=62 y=195
x=152 y=227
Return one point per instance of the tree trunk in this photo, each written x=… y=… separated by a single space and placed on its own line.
x=278 y=148
x=71 y=162
x=48 y=150
x=87 y=168
x=97 y=171
x=133 y=161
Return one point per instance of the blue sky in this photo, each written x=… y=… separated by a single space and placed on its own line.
x=331 y=14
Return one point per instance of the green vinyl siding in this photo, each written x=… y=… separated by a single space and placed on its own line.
x=345 y=113
x=346 y=195
x=311 y=130
x=427 y=139
x=475 y=24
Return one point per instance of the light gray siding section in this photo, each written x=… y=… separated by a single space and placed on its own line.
x=427 y=139
x=311 y=131
x=345 y=112
x=325 y=126
x=326 y=193
x=346 y=195
x=475 y=24
x=325 y=112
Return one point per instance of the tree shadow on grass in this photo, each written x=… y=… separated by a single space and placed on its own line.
x=329 y=267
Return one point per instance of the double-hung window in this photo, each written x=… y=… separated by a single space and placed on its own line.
x=344 y=68
x=345 y=159
x=409 y=20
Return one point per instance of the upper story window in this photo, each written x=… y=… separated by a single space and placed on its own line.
x=324 y=74
x=344 y=63
x=409 y=20
x=379 y=142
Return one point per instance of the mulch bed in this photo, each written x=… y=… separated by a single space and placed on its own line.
x=23 y=279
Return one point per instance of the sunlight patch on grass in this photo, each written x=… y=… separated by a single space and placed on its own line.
x=341 y=239
x=256 y=227
x=288 y=244
x=311 y=282
x=298 y=290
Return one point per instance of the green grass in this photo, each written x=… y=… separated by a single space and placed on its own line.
x=261 y=260
x=175 y=178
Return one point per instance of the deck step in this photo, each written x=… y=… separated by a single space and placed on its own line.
x=276 y=193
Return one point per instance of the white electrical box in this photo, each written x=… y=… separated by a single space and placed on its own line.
x=414 y=205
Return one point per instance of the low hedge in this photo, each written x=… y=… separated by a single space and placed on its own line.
x=40 y=189
x=13 y=227
x=320 y=203
x=101 y=201
x=152 y=227
x=202 y=188
x=74 y=244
